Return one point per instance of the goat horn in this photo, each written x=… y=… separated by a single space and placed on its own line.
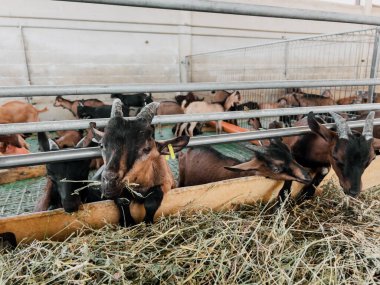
x=148 y=112
x=341 y=125
x=368 y=127
x=117 y=108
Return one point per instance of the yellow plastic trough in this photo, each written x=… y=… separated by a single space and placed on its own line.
x=57 y=225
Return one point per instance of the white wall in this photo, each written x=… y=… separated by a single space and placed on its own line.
x=74 y=43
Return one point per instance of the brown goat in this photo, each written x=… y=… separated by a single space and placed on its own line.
x=307 y=100
x=72 y=106
x=205 y=107
x=19 y=112
x=349 y=154
x=168 y=108
x=68 y=138
x=220 y=96
x=135 y=167
x=203 y=165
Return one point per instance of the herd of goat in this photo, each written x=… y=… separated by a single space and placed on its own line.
x=133 y=170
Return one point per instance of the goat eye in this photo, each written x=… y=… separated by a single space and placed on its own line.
x=147 y=149
x=276 y=169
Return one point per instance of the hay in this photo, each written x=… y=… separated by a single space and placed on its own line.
x=323 y=241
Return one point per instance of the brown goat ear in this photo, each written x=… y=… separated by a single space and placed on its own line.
x=177 y=143
x=319 y=129
x=253 y=164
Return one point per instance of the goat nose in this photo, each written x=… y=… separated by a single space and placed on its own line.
x=110 y=175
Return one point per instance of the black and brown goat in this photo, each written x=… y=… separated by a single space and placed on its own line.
x=135 y=167
x=72 y=106
x=202 y=165
x=185 y=100
x=59 y=193
x=348 y=153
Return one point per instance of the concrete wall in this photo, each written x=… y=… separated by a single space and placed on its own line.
x=48 y=43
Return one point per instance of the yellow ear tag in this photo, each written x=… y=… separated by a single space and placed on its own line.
x=167 y=157
x=171 y=151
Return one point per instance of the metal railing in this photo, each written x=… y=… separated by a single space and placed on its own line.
x=241 y=9
x=26 y=91
x=77 y=154
x=172 y=119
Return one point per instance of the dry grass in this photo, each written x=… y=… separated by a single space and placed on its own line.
x=320 y=242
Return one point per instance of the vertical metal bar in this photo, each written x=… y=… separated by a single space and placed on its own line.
x=286 y=58
x=188 y=69
x=374 y=64
x=27 y=71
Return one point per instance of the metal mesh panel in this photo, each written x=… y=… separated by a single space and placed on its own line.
x=350 y=55
x=339 y=56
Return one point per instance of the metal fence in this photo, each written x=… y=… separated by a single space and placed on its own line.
x=338 y=56
x=350 y=55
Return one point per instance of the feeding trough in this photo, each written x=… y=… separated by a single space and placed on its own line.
x=219 y=196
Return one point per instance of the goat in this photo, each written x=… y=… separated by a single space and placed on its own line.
x=201 y=165
x=62 y=193
x=307 y=100
x=68 y=138
x=72 y=106
x=134 y=167
x=348 y=153
x=243 y=107
x=220 y=96
x=85 y=112
x=19 y=112
x=135 y=100
x=168 y=108
x=15 y=140
x=205 y=107
x=185 y=100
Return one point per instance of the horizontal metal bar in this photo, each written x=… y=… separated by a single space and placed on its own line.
x=25 y=91
x=242 y=9
x=47 y=126
x=77 y=154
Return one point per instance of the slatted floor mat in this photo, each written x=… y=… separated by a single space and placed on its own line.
x=21 y=196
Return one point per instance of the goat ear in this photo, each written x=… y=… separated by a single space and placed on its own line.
x=319 y=129
x=177 y=143
x=253 y=164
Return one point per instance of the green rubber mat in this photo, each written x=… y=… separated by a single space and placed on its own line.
x=21 y=196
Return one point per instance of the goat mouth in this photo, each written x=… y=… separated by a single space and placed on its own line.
x=352 y=193
x=304 y=181
x=111 y=189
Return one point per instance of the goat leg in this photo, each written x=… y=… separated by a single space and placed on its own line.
x=152 y=203
x=126 y=218
x=308 y=191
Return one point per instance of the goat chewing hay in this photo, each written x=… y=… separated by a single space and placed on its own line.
x=318 y=242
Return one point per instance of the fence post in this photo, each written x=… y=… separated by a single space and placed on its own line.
x=286 y=58
x=374 y=64
x=27 y=71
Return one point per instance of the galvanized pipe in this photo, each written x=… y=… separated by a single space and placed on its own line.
x=25 y=91
x=241 y=9
x=46 y=126
x=77 y=154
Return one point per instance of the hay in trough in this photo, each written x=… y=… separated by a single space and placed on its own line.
x=323 y=241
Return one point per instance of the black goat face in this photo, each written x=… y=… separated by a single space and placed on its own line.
x=70 y=170
x=131 y=156
x=350 y=153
